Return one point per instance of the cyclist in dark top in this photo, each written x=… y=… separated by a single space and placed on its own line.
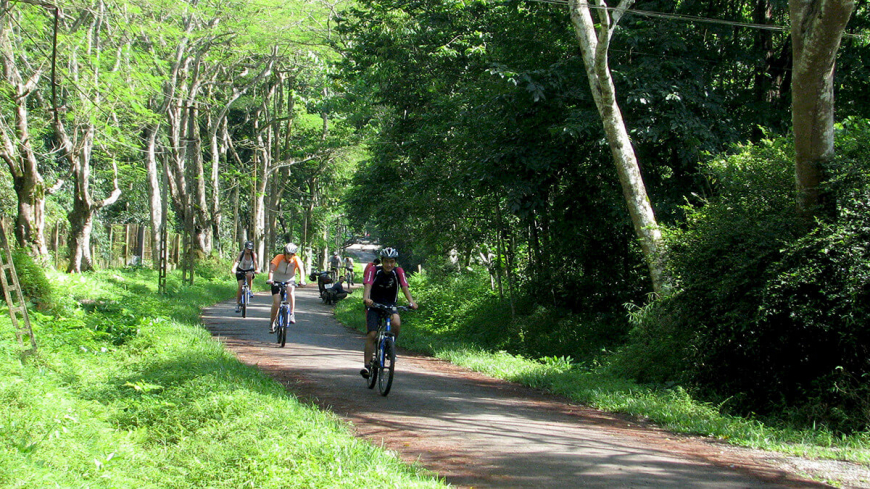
x=244 y=268
x=381 y=285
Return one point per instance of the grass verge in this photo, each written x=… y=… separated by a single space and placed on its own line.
x=128 y=390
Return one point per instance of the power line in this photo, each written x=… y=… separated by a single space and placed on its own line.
x=694 y=18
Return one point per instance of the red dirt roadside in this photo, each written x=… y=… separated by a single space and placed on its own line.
x=475 y=431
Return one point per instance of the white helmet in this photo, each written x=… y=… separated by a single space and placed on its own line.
x=390 y=253
x=290 y=249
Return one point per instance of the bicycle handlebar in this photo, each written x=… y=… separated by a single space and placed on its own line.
x=283 y=284
x=386 y=308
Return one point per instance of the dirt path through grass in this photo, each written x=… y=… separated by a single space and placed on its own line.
x=476 y=431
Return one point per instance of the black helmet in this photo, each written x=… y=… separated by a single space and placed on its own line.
x=249 y=245
x=390 y=253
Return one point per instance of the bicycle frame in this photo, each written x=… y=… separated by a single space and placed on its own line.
x=283 y=318
x=245 y=298
x=384 y=360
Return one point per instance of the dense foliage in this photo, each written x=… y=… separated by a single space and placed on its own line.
x=770 y=317
x=486 y=140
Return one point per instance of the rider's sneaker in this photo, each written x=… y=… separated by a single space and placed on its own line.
x=292 y=318
x=238 y=308
x=272 y=328
x=365 y=372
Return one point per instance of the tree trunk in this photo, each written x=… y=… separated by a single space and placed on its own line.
x=594 y=49
x=816 y=28
x=30 y=221
x=215 y=210
x=261 y=180
x=155 y=199
x=201 y=229
x=81 y=221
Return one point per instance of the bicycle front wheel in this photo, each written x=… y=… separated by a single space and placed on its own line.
x=281 y=329
x=244 y=302
x=387 y=367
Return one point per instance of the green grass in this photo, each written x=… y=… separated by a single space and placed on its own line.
x=128 y=390
x=449 y=326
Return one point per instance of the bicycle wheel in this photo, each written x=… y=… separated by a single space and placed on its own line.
x=281 y=335
x=387 y=367
x=282 y=332
x=281 y=329
x=244 y=302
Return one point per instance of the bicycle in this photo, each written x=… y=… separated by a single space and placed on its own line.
x=282 y=320
x=383 y=364
x=349 y=276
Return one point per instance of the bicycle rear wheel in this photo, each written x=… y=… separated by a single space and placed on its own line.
x=387 y=367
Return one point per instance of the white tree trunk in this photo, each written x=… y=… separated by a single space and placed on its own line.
x=154 y=198
x=594 y=46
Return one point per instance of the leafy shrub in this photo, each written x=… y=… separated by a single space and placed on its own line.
x=816 y=304
x=766 y=316
x=461 y=308
x=211 y=267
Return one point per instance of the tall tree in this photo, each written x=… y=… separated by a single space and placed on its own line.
x=77 y=141
x=594 y=44
x=18 y=143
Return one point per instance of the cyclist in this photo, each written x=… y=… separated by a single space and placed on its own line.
x=373 y=263
x=348 y=265
x=381 y=284
x=284 y=268
x=244 y=268
x=334 y=265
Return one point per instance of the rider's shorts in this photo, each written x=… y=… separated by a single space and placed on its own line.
x=276 y=289
x=372 y=316
x=240 y=275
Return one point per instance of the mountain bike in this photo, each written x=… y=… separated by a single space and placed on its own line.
x=383 y=364
x=282 y=320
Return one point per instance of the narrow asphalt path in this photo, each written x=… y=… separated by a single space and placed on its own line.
x=475 y=431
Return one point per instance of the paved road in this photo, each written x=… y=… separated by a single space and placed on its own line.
x=473 y=430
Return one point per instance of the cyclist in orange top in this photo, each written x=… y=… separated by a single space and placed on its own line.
x=283 y=268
